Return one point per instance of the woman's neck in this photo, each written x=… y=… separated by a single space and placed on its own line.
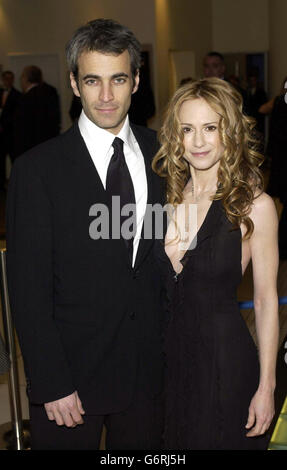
x=202 y=183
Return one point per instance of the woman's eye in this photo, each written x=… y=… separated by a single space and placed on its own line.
x=211 y=128
x=186 y=129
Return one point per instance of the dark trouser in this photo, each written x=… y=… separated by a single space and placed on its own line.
x=3 y=153
x=139 y=427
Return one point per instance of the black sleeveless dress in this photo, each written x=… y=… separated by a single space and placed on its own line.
x=212 y=368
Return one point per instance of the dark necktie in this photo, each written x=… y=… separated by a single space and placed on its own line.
x=119 y=183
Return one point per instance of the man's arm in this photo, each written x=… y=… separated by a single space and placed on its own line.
x=30 y=282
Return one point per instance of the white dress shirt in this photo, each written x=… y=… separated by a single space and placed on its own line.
x=99 y=144
x=4 y=97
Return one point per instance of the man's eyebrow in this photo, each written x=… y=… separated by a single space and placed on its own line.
x=90 y=75
x=118 y=75
x=115 y=75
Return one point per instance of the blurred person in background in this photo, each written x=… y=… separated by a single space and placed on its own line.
x=256 y=96
x=38 y=116
x=142 y=103
x=75 y=108
x=9 y=101
x=213 y=65
x=277 y=153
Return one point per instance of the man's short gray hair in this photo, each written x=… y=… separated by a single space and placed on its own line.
x=106 y=36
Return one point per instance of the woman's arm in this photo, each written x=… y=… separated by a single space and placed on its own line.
x=267 y=107
x=264 y=254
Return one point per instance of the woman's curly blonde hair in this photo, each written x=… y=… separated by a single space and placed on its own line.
x=239 y=177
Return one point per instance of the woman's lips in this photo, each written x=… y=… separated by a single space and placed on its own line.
x=200 y=154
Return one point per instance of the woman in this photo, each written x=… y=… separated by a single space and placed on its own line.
x=219 y=390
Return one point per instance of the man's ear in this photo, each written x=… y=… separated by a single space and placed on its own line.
x=74 y=84
x=136 y=81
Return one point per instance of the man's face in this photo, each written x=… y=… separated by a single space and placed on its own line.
x=213 y=67
x=24 y=81
x=252 y=81
x=8 y=80
x=105 y=85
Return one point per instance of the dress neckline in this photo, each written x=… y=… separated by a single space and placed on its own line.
x=200 y=235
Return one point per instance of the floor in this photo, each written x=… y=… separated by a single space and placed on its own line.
x=245 y=293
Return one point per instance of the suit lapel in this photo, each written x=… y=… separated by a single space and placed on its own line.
x=92 y=181
x=87 y=169
x=147 y=149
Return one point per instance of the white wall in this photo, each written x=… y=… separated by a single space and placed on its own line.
x=191 y=28
x=43 y=27
x=240 y=26
x=163 y=22
x=181 y=25
x=278 y=44
x=253 y=26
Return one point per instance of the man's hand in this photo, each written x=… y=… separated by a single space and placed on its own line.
x=67 y=411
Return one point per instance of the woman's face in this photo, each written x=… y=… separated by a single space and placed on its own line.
x=203 y=147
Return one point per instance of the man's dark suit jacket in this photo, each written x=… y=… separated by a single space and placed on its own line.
x=7 y=121
x=38 y=117
x=86 y=320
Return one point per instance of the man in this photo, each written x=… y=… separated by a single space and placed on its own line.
x=87 y=309
x=213 y=65
x=276 y=150
x=38 y=117
x=9 y=101
x=143 y=105
x=256 y=96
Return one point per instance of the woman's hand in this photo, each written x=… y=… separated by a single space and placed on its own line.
x=261 y=412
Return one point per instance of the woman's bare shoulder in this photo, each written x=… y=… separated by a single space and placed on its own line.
x=263 y=210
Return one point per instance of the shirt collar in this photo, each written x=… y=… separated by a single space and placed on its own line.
x=103 y=138
x=33 y=85
x=125 y=133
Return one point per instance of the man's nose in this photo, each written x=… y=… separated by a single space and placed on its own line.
x=106 y=93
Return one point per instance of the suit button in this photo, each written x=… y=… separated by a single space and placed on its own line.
x=136 y=274
x=132 y=315
x=28 y=384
